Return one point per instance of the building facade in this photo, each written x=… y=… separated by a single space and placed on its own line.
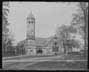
x=34 y=46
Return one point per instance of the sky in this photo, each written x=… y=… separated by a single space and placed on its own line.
x=48 y=16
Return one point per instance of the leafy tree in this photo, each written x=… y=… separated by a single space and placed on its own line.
x=4 y=26
x=72 y=43
x=7 y=47
x=63 y=34
x=20 y=48
x=80 y=19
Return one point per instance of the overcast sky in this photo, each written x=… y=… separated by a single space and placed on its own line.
x=48 y=15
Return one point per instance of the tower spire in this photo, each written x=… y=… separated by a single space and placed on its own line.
x=30 y=16
x=31 y=26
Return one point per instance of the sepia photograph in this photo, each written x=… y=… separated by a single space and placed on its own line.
x=44 y=35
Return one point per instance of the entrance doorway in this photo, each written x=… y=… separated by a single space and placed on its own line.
x=39 y=51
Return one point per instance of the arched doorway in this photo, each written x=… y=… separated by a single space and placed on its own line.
x=39 y=50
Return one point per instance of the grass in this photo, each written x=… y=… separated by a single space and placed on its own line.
x=49 y=65
x=46 y=65
x=16 y=65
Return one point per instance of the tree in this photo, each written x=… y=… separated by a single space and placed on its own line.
x=21 y=48
x=4 y=26
x=72 y=43
x=63 y=34
x=7 y=47
x=84 y=8
x=81 y=19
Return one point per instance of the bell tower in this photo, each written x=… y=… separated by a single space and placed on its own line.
x=30 y=27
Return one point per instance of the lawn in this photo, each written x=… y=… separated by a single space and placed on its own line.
x=49 y=65
x=15 y=65
x=68 y=56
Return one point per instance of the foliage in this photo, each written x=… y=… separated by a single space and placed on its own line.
x=5 y=23
x=7 y=48
x=72 y=43
x=5 y=29
x=80 y=19
x=63 y=34
x=64 y=30
x=20 y=49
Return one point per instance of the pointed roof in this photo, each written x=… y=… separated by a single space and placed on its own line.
x=31 y=15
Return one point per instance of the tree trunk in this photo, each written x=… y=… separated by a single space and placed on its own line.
x=86 y=28
x=85 y=13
